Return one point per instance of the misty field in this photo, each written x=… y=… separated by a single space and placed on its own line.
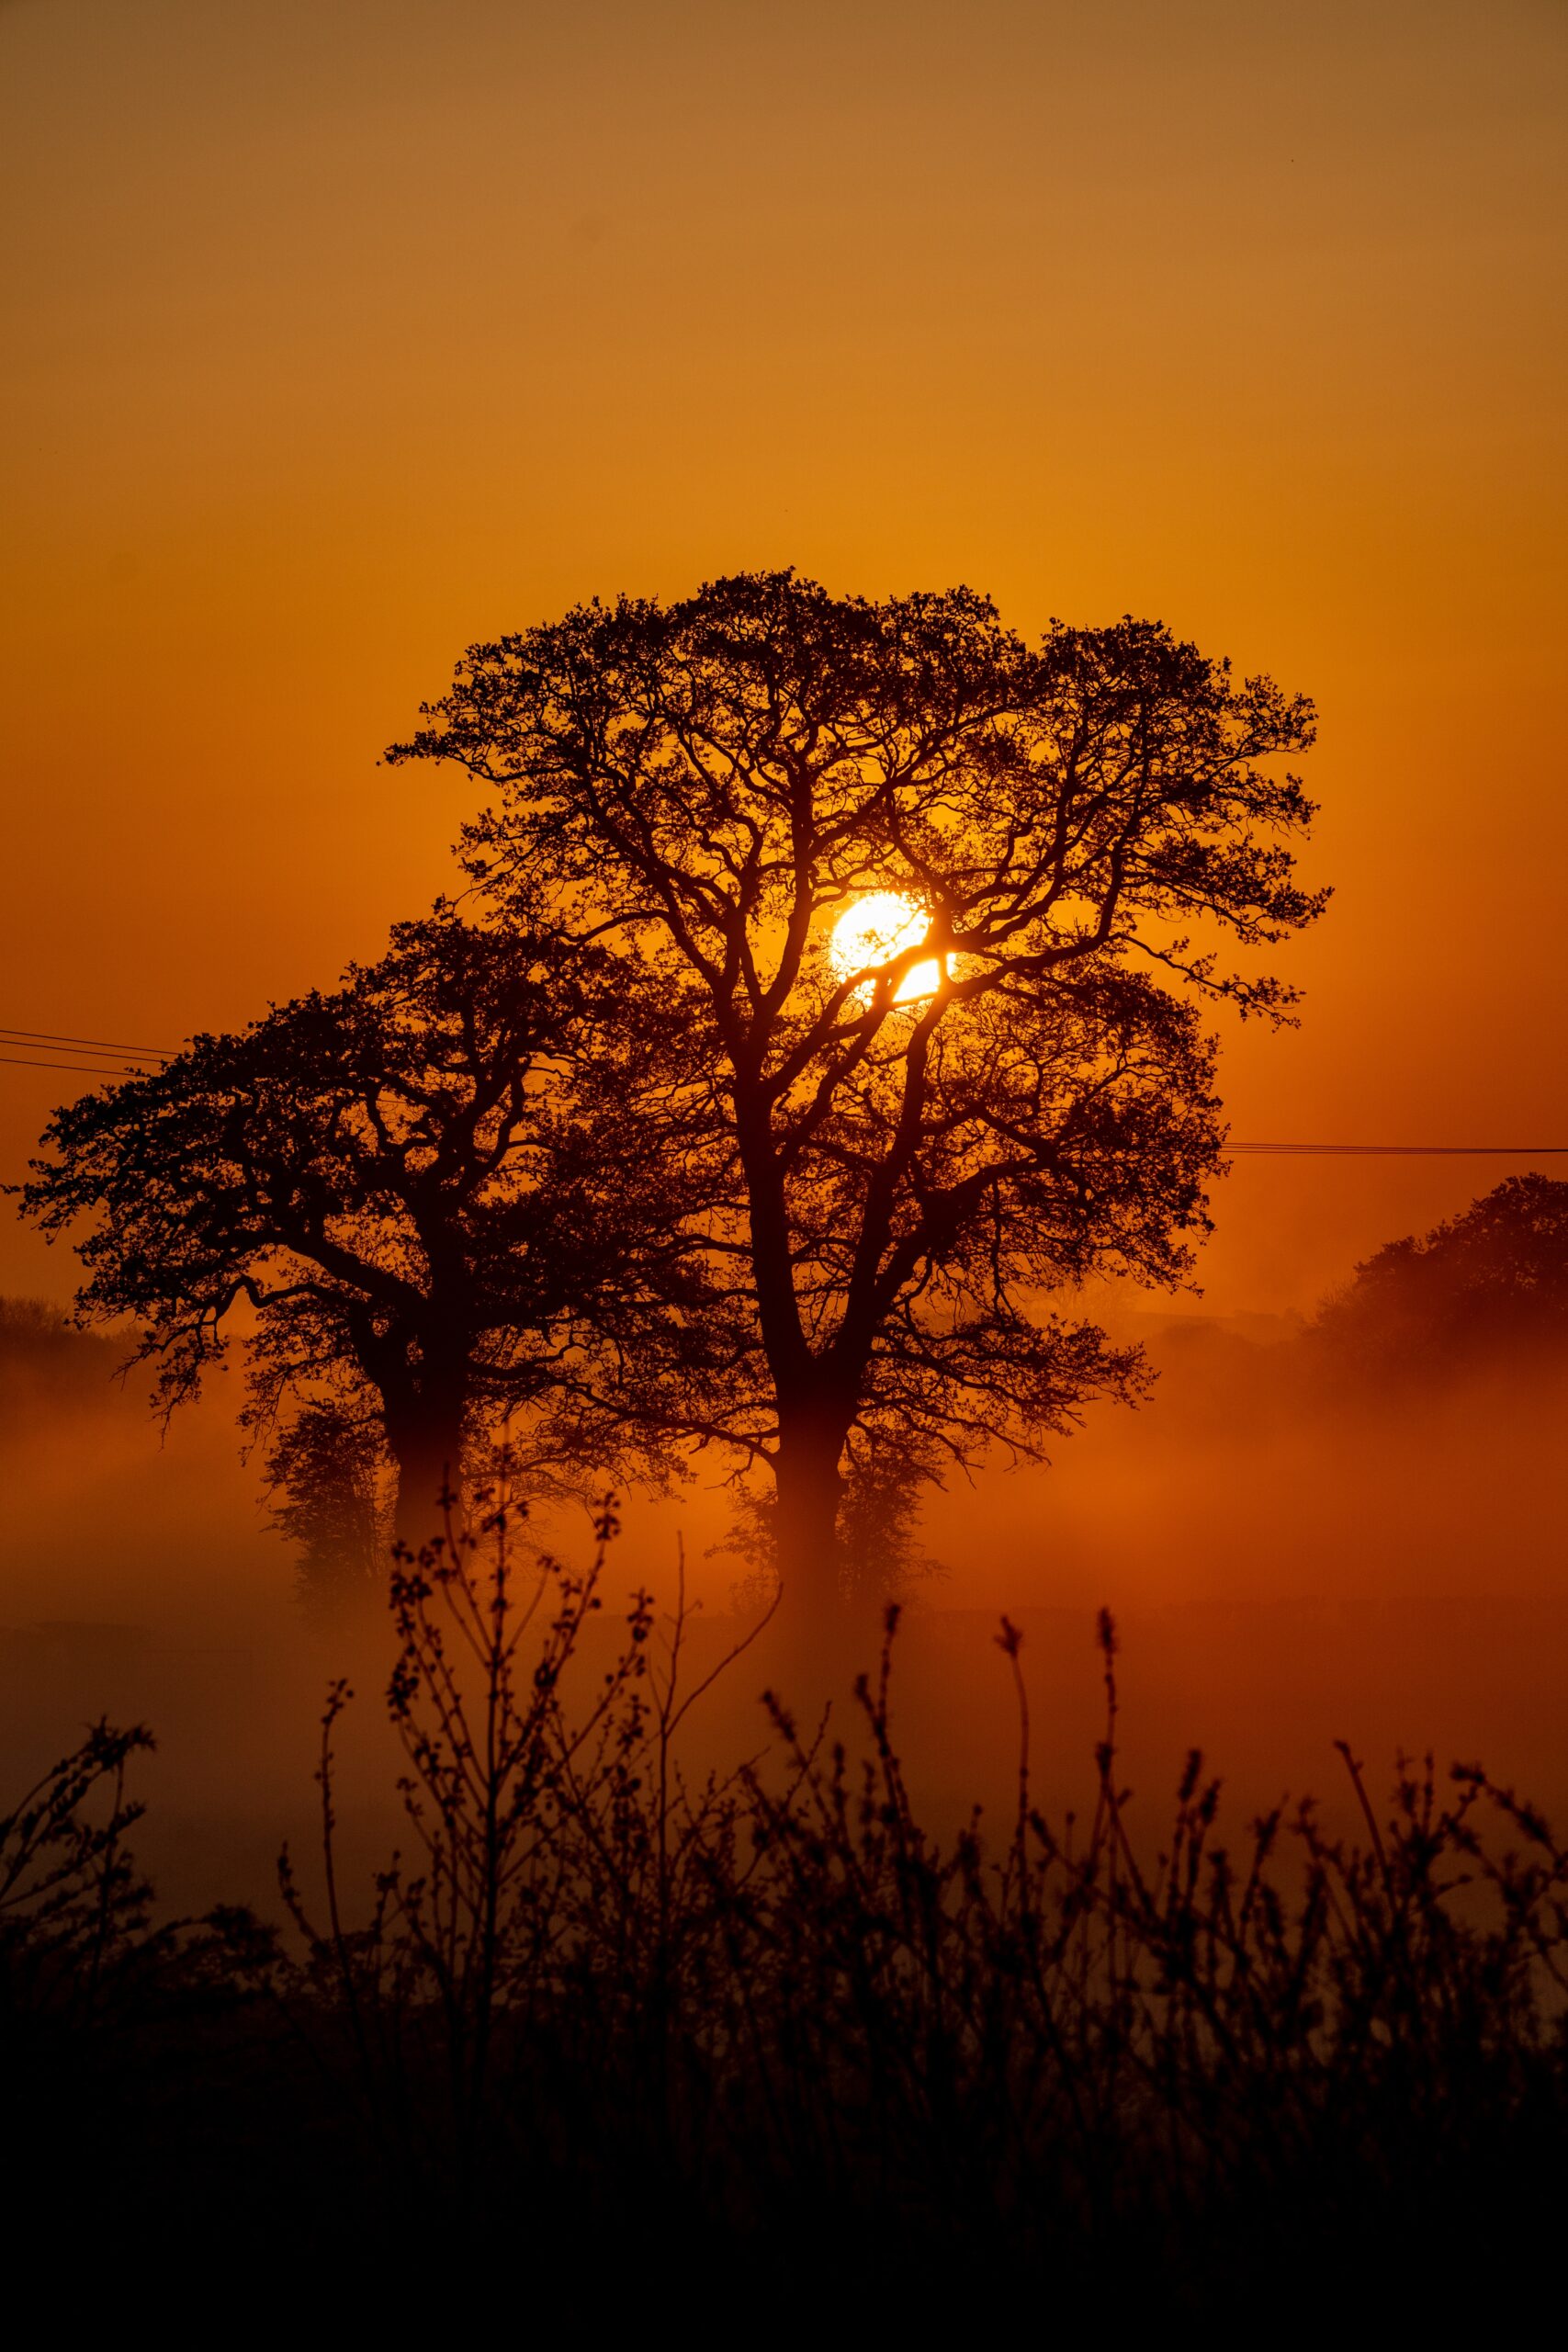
x=611 y=2013
x=971 y=1986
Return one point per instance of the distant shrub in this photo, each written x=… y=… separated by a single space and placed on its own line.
x=46 y=1362
x=328 y=1466
x=1490 y=1285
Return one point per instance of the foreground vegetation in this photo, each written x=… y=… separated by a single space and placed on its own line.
x=768 y=2026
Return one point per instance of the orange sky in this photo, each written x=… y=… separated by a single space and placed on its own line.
x=339 y=335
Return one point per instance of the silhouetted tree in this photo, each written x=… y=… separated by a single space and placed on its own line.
x=1491 y=1281
x=410 y=1182
x=879 y=1537
x=328 y=1463
x=905 y=1148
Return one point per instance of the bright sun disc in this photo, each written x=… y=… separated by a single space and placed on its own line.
x=875 y=929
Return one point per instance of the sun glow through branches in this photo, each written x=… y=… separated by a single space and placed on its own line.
x=871 y=930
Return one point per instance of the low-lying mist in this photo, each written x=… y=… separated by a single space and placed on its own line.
x=1299 y=1542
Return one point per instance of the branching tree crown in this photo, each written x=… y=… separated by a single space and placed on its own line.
x=404 y=1181
x=907 y=1147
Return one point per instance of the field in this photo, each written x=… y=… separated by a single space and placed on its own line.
x=581 y=1962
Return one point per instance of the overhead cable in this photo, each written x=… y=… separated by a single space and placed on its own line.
x=1404 y=1151
x=109 y=1044
x=78 y=1069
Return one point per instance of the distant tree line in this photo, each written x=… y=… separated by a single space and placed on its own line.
x=1490 y=1283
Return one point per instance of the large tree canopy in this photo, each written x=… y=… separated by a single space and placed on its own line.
x=423 y=1184
x=909 y=1142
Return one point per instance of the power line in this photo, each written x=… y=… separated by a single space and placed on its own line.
x=1405 y=1151
x=109 y=1044
x=78 y=1069
x=1252 y=1150
x=1306 y=1151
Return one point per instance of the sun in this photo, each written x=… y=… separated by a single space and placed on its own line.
x=875 y=929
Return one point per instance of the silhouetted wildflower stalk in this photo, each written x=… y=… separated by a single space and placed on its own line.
x=782 y=1971
x=535 y=1830
x=72 y=1904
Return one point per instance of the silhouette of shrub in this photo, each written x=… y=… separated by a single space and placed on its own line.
x=1490 y=1285
x=47 y=1362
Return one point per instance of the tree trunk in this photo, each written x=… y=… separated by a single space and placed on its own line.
x=427 y=1446
x=811 y=1488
